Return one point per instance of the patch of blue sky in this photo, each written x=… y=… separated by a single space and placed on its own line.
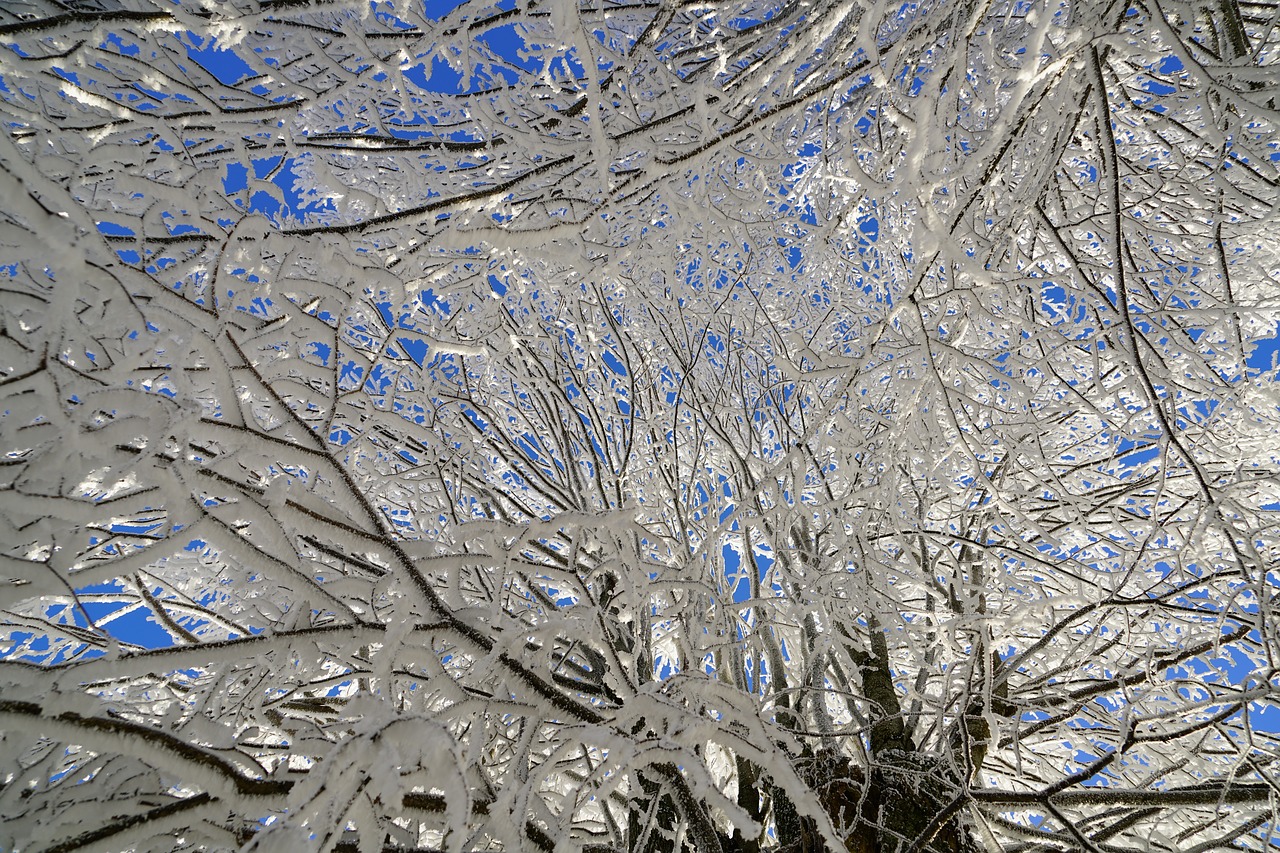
x=177 y=229
x=226 y=66
x=613 y=362
x=567 y=66
x=472 y=415
x=115 y=229
x=285 y=200
x=1170 y=65
x=1200 y=411
x=437 y=10
x=381 y=378
x=1083 y=759
x=529 y=446
x=70 y=76
x=508 y=44
x=236 y=178
x=386 y=312
x=748 y=18
x=441 y=77
x=135 y=100
x=1265 y=356
x=351 y=376
x=136 y=527
x=415 y=348
x=25 y=646
x=1131 y=453
x=139 y=626
x=384 y=11
x=259 y=306
x=1156 y=87
x=121 y=46
x=597 y=451
x=273 y=62
x=1230 y=666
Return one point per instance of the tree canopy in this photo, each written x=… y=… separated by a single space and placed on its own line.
x=644 y=426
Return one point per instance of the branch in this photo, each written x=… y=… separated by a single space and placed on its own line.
x=1200 y=795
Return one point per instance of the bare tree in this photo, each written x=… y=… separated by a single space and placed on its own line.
x=639 y=426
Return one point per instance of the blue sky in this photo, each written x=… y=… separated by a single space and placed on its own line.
x=272 y=185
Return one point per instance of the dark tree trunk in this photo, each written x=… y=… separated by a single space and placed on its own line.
x=908 y=804
x=657 y=836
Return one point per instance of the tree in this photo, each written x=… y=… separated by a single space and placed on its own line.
x=644 y=426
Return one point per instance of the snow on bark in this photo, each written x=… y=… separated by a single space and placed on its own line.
x=654 y=427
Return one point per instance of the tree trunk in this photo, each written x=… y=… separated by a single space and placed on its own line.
x=907 y=804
